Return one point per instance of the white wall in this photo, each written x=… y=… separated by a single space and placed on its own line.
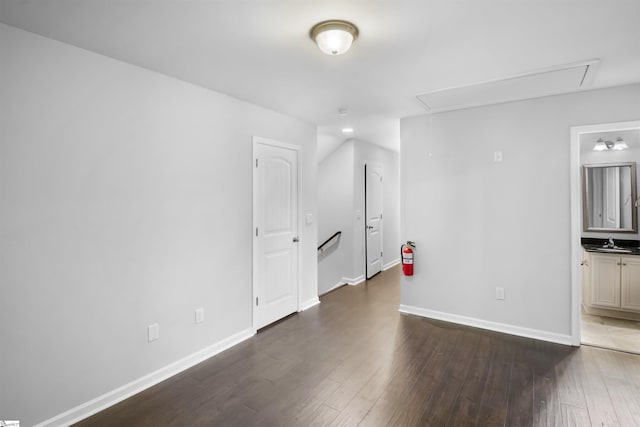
x=340 y=195
x=335 y=213
x=479 y=224
x=125 y=198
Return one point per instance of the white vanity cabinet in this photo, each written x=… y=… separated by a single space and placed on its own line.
x=614 y=282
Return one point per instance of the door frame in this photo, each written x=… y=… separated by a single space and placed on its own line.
x=254 y=282
x=576 y=216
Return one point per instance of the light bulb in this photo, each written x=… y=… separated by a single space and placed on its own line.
x=620 y=144
x=334 y=42
x=600 y=145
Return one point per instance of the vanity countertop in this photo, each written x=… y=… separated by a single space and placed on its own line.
x=617 y=250
x=622 y=247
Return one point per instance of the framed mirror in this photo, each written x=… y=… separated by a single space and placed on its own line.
x=609 y=198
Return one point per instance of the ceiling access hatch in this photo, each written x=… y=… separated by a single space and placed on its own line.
x=552 y=81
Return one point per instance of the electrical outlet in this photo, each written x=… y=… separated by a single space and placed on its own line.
x=199 y=315
x=499 y=293
x=497 y=156
x=154 y=332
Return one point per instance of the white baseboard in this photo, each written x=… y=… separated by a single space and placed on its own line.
x=391 y=264
x=486 y=324
x=108 y=399
x=354 y=282
x=309 y=303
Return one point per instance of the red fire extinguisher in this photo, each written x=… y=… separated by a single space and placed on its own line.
x=406 y=251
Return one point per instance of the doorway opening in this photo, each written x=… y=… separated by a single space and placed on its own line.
x=605 y=239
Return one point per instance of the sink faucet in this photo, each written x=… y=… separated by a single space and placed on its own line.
x=611 y=244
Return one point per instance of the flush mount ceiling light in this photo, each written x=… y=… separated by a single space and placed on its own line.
x=334 y=37
x=602 y=145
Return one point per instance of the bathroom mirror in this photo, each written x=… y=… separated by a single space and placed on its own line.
x=609 y=197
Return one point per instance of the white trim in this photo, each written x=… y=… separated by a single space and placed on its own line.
x=391 y=264
x=576 y=215
x=110 y=398
x=309 y=303
x=274 y=143
x=354 y=282
x=486 y=324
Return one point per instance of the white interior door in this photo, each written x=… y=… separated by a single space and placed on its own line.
x=373 y=215
x=275 y=266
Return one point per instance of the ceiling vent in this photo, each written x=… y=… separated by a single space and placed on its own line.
x=552 y=81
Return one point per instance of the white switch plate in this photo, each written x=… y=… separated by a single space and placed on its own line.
x=499 y=293
x=497 y=156
x=358 y=214
x=308 y=219
x=154 y=332
x=199 y=315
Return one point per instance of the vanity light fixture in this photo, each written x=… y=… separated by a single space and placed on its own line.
x=347 y=130
x=602 y=145
x=334 y=37
x=620 y=144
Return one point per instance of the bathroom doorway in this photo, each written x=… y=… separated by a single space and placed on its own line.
x=606 y=244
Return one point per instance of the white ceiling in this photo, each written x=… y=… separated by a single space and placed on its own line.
x=260 y=51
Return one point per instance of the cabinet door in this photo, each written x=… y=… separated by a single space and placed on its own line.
x=630 y=284
x=605 y=280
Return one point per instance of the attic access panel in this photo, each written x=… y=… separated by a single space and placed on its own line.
x=557 y=80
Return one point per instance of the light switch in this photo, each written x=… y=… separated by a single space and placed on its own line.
x=154 y=332
x=358 y=214
x=497 y=156
x=199 y=315
x=308 y=219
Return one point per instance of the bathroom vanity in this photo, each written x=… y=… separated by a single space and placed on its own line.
x=611 y=280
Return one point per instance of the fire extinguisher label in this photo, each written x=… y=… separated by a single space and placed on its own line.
x=407 y=260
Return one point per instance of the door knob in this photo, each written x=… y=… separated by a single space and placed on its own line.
x=369 y=227
x=296 y=239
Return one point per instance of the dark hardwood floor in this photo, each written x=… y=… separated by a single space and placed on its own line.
x=354 y=360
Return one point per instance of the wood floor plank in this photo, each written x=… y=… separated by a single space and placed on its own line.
x=546 y=404
x=624 y=389
x=354 y=360
x=521 y=390
x=601 y=409
x=573 y=416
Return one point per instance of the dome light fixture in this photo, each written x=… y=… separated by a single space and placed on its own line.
x=334 y=37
